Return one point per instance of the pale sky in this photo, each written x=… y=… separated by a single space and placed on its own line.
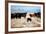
x=23 y=9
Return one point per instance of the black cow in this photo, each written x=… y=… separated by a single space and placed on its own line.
x=18 y=15
x=38 y=14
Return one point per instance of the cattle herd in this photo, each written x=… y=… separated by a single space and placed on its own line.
x=26 y=16
x=19 y=15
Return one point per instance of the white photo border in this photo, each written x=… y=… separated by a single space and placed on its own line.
x=23 y=29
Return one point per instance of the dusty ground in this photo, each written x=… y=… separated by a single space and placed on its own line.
x=21 y=23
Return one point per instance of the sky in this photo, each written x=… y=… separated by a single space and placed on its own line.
x=23 y=9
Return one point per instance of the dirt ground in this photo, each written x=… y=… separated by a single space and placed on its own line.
x=22 y=23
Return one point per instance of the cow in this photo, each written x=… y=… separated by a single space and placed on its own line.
x=18 y=15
